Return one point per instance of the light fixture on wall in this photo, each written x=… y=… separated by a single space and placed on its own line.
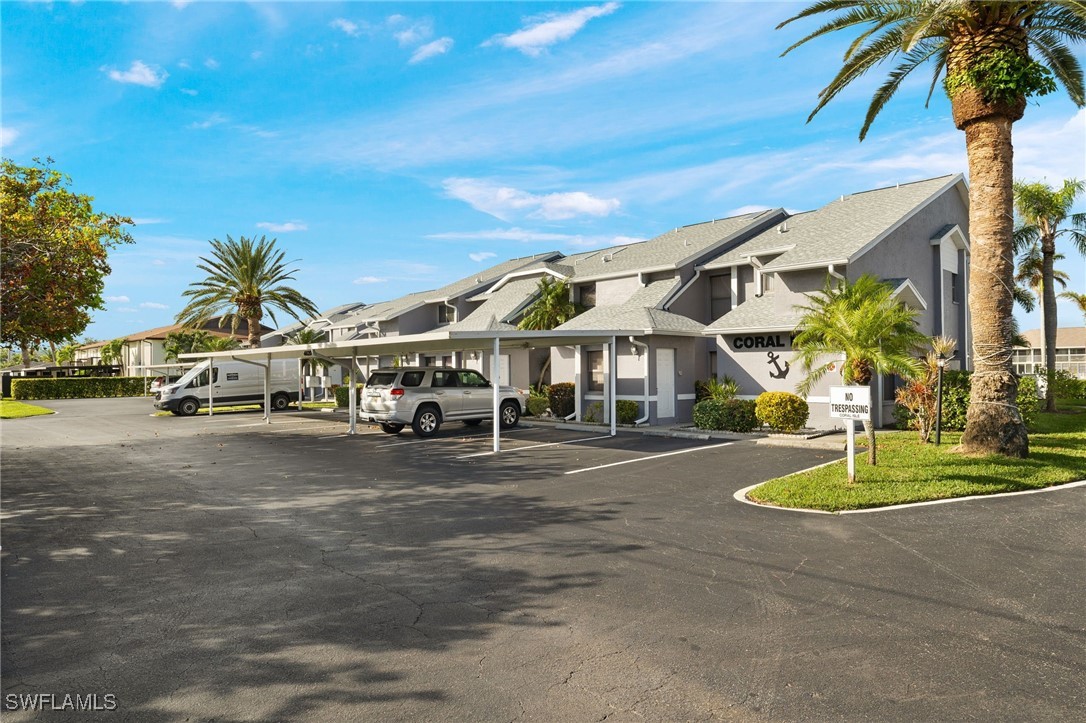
x=635 y=350
x=475 y=356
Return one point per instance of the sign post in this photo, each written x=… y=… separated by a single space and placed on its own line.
x=850 y=403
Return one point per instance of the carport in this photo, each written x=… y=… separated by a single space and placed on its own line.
x=346 y=355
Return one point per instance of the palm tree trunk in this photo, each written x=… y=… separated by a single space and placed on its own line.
x=254 y=331
x=1048 y=319
x=993 y=423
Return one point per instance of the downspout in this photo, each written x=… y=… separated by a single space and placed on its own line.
x=833 y=272
x=645 y=356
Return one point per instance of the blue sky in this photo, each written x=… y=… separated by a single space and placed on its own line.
x=393 y=147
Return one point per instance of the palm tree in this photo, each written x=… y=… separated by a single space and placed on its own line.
x=1041 y=210
x=1078 y=299
x=1031 y=273
x=220 y=343
x=245 y=281
x=113 y=352
x=984 y=49
x=876 y=333
x=553 y=308
x=309 y=336
x=184 y=342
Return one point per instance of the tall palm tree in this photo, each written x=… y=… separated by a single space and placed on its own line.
x=309 y=336
x=1078 y=299
x=220 y=343
x=553 y=308
x=876 y=333
x=984 y=49
x=1032 y=274
x=184 y=342
x=113 y=352
x=244 y=281
x=1041 y=209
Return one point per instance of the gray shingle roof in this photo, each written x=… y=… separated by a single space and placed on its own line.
x=756 y=314
x=839 y=229
x=669 y=250
x=639 y=312
x=499 y=307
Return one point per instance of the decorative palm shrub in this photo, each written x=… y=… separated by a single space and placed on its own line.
x=782 y=411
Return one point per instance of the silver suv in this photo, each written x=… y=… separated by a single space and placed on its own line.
x=424 y=397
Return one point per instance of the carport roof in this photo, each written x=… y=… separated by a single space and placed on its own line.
x=431 y=341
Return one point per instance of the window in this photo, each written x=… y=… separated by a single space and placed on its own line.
x=720 y=295
x=956 y=288
x=712 y=364
x=446 y=314
x=473 y=379
x=588 y=296
x=201 y=380
x=767 y=281
x=412 y=379
x=444 y=379
x=595 y=371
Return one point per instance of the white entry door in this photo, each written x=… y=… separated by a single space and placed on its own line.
x=503 y=369
x=665 y=383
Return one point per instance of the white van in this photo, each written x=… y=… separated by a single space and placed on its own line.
x=233 y=382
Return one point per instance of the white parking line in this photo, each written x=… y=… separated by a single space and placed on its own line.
x=488 y=435
x=651 y=456
x=535 y=446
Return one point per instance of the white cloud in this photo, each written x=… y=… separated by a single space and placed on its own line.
x=283 y=227
x=158 y=262
x=181 y=4
x=153 y=305
x=118 y=299
x=414 y=34
x=211 y=64
x=127 y=310
x=256 y=54
x=190 y=91
x=504 y=202
x=212 y=120
x=437 y=47
x=369 y=280
x=8 y=135
x=546 y=30
x=139 y=73
x=346 y=26
x=502 y=234
x=482 y=256
x=148 y=221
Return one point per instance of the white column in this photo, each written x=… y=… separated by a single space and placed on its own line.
x=210 y=387
x=495 y=370
x=267 y=390
x=612 y=384
x=352 y=407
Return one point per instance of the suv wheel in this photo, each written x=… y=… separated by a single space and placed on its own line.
x=280 y=401
x=427 y=421
x=391 y=428
x=509 y=413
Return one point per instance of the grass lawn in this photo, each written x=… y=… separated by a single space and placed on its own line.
x=909 y=471
x=11 y=409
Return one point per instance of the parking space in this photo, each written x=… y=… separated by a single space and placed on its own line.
x=224 y=569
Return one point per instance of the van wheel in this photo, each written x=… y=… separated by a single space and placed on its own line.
x=188 y=407
x=509 y=413
x=473 y=422
x=391 y=428
x=280 y=401
x=427 y=421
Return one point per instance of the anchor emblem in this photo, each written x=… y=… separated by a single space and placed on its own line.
x=780 y=373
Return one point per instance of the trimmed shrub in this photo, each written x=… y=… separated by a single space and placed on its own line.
x=1029 y=405
x=560 y=396
x=627 y=411
x=594 y=413
x=956 y=389
x=1067 y=386
x=782 y=411
x=342 y=400
x=733 y=415
x=78 y=387
x=537 y=405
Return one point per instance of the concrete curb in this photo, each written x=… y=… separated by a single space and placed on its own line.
x=741 y=496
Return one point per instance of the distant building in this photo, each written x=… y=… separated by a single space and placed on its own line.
x=1070 y=352
x=145 y=348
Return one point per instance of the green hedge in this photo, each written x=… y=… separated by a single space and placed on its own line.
x=627 y=411
x=560 y=396
x=956 y=387
x=79 y=387
x=733 y=415
x=782 y=411
x=537 y=405
x=342 y=400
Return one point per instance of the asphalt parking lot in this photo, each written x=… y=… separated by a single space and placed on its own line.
x=223 y=569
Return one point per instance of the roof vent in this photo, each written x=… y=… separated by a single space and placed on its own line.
x=608 y=258
x=783 y=228
x=686 y=242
